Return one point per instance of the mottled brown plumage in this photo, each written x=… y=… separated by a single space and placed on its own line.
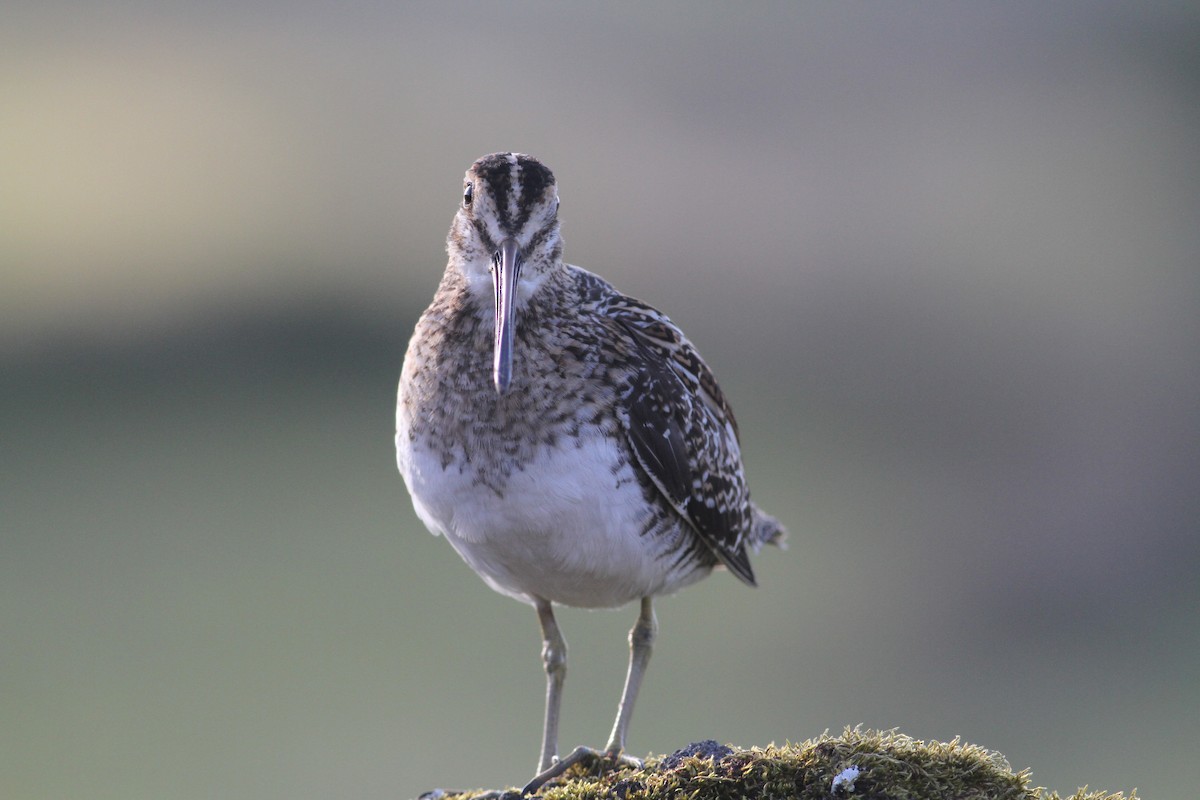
x=567 y=440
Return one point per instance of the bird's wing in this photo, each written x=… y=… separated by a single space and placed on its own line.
x=683 y=432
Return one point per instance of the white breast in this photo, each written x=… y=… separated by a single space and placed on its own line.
x=570 y=527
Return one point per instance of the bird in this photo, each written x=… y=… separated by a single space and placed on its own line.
x=566 y=439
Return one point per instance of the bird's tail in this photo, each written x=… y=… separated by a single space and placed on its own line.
x=765 y=529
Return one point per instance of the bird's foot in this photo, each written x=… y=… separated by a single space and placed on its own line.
x=581 y=755
x=447 y=794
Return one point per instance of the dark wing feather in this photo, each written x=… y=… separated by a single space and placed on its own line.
x=683 y=433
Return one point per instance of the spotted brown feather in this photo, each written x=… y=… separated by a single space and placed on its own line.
x=688 y=449
x=567 y=440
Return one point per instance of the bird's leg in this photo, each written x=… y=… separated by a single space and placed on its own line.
x=554 y=658
x=641 y=642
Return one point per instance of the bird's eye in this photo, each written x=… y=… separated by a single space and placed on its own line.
x=468 y=194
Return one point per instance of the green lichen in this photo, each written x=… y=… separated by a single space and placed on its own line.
x=857 y=765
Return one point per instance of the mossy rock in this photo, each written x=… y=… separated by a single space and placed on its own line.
x=858 y=765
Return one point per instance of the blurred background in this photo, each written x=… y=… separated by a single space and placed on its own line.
x=945 y=259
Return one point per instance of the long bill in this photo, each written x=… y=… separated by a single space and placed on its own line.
x=507 y=267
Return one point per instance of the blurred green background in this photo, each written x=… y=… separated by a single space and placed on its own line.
x=945 y=259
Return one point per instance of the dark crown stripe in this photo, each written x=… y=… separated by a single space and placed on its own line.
x=536 y=180
x=496 y=173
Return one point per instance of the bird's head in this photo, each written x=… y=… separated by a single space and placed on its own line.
x=505 y=241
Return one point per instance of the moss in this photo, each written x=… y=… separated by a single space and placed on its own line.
x=857 y=765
